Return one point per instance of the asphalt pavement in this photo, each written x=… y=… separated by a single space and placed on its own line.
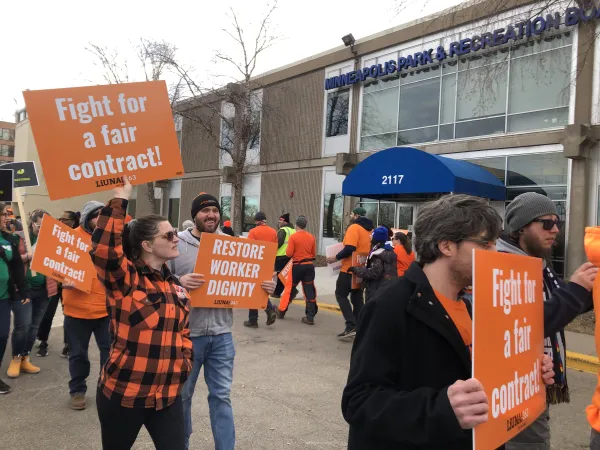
x=288 y=380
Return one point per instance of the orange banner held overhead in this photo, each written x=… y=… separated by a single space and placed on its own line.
x=508 y=343
x=358 y=260
x=62 y=253
x=234 y=269
x=88 y=138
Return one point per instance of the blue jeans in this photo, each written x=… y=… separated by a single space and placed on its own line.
x=216 y=353
x=79 y=332
x=4 y=325
x=27 y=321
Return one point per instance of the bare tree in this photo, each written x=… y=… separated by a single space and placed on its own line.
x=151 y=57
x=231 y=114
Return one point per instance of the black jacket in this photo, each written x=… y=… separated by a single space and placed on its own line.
x=405 y=356
x=229 y=231
x=16 y=269
x=381 y=269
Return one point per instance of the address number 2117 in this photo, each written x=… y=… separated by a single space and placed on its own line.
x=392 y=179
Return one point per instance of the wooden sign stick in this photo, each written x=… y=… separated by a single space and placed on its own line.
x=25 y=228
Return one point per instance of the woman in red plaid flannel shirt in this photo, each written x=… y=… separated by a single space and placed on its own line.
x=151 y=354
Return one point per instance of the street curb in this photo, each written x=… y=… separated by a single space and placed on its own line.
x=576 y=361
x=329 y=307
x=584 y=363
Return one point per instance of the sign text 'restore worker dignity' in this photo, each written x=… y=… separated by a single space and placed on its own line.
x=105 y=132
x=234 y=269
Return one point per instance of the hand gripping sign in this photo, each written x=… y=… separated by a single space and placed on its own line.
x=62 y=253
x=88 y=138
x=233 y=268
x=508 y=343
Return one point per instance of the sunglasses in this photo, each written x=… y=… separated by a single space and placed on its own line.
x=169 y=236
x=549 y=224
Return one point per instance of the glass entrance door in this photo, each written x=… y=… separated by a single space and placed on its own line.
x=405 y=216
x=390 y=214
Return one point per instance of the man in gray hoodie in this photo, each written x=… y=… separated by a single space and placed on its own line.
x=531 y=227
x=210 y=330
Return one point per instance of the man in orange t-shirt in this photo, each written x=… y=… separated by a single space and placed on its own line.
x=356 y=239
x=262 y=232
x=302 y=249
x=85 y=314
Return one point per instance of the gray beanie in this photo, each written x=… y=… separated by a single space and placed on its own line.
x=525 y=208
x=301 y=221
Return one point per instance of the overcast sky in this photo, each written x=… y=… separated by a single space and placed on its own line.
x=44 y=43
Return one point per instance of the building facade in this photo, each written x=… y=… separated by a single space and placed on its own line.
x=513 y=88
x=7 y=141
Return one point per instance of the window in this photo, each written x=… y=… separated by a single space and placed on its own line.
x=225 y=209
x=228 y=138
x=333 y=211
x=541 y=169
x=337 y=113
x=521 y=88
x=249 y=206
x=496 y=166
x=5 y=134
x=544 y=173
x=424 y=100
x=387 y=214
x=7 y=150
x=174 y=212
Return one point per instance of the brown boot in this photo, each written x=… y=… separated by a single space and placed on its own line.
x=77 y=402
x=27 y=367
x=14 y=368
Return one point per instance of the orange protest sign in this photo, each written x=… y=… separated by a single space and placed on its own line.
x=358 y=260
x=62 y=253
x=508 y=343
x=89 y=137
x=234 y=269
x=284 y=272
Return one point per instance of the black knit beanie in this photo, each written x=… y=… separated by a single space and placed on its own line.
x=204 y=200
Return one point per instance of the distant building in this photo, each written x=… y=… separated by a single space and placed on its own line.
x=7 y=141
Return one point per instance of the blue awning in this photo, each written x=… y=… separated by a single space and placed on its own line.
x=403 y=173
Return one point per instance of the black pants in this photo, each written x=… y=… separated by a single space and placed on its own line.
x=280 y=262
x=46 y=323
x=343 y=287
x=253 y=313
x=120 y=426
x=305 y=274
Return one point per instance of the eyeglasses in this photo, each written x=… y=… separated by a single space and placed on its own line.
x=169 y=236
x=549 y=224
x=4 y=214
x=64 y=219
x=485 y=243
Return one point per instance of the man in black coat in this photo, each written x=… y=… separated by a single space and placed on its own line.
x=410 y=384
